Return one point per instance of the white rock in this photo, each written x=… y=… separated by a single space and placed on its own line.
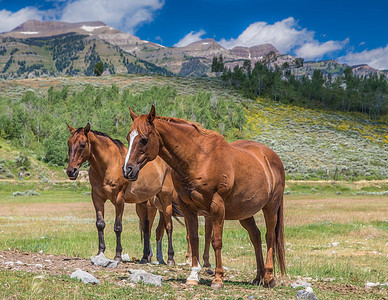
x=369 y=285
x=85 y=277
x=125 y=258
x=143 y=276
x=101 y=260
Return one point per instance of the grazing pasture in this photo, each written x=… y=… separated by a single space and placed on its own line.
x=337 y=241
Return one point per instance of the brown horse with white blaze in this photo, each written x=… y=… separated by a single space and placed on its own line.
x=154 y=187
x=219 y=180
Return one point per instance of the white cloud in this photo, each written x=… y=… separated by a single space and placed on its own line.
x=9 y=20
x=376 y=58
x=286 y=36
x=315 y=49
x=190 y=38
x=122 y=14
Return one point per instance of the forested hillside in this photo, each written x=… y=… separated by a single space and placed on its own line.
x=66 y=54
x=348 y=92
x=313 y=144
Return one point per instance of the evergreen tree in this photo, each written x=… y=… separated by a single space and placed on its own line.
x=99 y=68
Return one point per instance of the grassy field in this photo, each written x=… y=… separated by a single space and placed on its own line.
x=336 y=239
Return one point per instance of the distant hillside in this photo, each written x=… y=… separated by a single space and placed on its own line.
x=313 y=144
x=70 y=52
x=37 y=48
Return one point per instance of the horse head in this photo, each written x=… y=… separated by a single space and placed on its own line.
x=143 y=142
x=79 y=150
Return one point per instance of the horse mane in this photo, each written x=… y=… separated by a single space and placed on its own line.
x=118 y=143
x=197 y=127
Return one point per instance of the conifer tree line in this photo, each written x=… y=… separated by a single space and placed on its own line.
x=347 y=92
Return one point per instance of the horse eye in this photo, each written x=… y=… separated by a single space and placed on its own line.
x=144 y=141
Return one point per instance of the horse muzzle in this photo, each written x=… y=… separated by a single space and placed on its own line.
x=72 y=173
x=131 y=173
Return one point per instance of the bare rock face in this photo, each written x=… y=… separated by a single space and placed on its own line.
x=253 y=53
x=35 y=28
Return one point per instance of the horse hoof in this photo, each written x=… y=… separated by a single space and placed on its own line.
x=217 y=285
x=192 y=282
x=171 y=263
x=209 y=272
x=118 y=258
x=270 y=284
x=207 y=265
x=144 y=261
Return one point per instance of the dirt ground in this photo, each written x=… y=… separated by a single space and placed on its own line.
x=47 y=264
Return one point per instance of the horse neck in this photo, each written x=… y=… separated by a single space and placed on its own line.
x=181 y=145
x=102 y=155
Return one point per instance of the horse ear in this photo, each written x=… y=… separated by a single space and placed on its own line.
x=151 y=115
x=133 y=115
x=87 y=128
x=71 y=129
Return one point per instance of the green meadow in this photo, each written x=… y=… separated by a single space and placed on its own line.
x=336 y=242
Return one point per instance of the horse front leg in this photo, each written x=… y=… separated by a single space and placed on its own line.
x=159 y=238
x=118 y=228
x=191 y=220
x=99 y=203
x=188 y=253
x=217 y=211
x=142 y=212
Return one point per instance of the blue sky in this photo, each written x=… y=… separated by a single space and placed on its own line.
x=354 y=32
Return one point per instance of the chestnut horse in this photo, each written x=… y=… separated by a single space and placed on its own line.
x=106 y=157
x=216 y=179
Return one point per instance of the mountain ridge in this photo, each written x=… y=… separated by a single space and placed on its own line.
x=194 y=59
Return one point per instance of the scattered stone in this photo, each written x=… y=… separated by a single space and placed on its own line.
x=85 y=277
x=335 y=244
x=251 y=297
x=125 y=258
x=328 y=279
x=102 y=261
x=18 y=262
x=300 y=283
x=369 y=285
x=143 y=276
x=226 y=268
x=39 y=266
x=307 y=294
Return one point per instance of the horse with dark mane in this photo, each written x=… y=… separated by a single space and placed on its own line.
x=106 y=157
x=216 y=179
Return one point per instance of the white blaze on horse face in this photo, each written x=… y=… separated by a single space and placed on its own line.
x=131 y=138
x=194 y=273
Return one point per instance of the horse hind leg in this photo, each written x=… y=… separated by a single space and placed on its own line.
x=274 y=236
x=142 y=212
x=255 y=237
x=208 y=236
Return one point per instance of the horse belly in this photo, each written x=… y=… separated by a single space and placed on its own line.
x=240 y=207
